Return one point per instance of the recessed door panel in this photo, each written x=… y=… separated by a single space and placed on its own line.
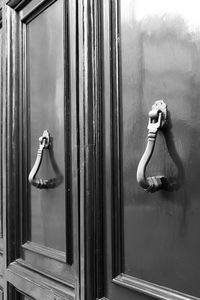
x=155 y=245
x=40 y=49
x=160 y=60
x=45 y=74
x=1 y=126
x=47 y=244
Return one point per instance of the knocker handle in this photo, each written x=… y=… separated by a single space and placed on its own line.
x=44 y=143
x=157 y=119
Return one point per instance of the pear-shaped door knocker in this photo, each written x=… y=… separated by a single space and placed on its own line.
x=157 y=120
x=45 y=142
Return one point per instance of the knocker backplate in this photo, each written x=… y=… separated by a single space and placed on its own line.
x=160 y=105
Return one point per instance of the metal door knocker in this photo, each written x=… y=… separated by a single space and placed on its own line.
x=157 y=120
x=45 y=142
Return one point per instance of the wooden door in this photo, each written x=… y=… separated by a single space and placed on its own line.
x=152 y=52
x=89 y=72
x=41 y=229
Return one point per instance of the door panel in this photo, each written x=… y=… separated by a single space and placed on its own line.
x=42 y=258
x=1 y=122
x=164 y=64
x=45 y=100
x=45 y=91
x=1 y=93
x=155 y=244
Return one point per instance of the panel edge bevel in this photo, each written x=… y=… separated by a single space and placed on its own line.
x=150 y=289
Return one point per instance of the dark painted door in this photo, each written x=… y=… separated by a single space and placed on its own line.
x=153 y=238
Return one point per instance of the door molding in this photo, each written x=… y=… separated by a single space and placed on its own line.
x=91 y=150
x=150 y=289
x=17 y=4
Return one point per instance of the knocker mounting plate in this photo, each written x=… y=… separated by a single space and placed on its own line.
x=158 y=107
x=45 y=139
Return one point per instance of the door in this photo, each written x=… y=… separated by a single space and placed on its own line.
x=41 y=235
x=79 y=81
x=151 y=52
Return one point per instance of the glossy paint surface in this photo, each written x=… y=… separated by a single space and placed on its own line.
x=160 y=59
x=45 y=65
x=1 y=114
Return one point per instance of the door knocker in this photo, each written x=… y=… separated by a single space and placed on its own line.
x=157 y=120
x=45 y=142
